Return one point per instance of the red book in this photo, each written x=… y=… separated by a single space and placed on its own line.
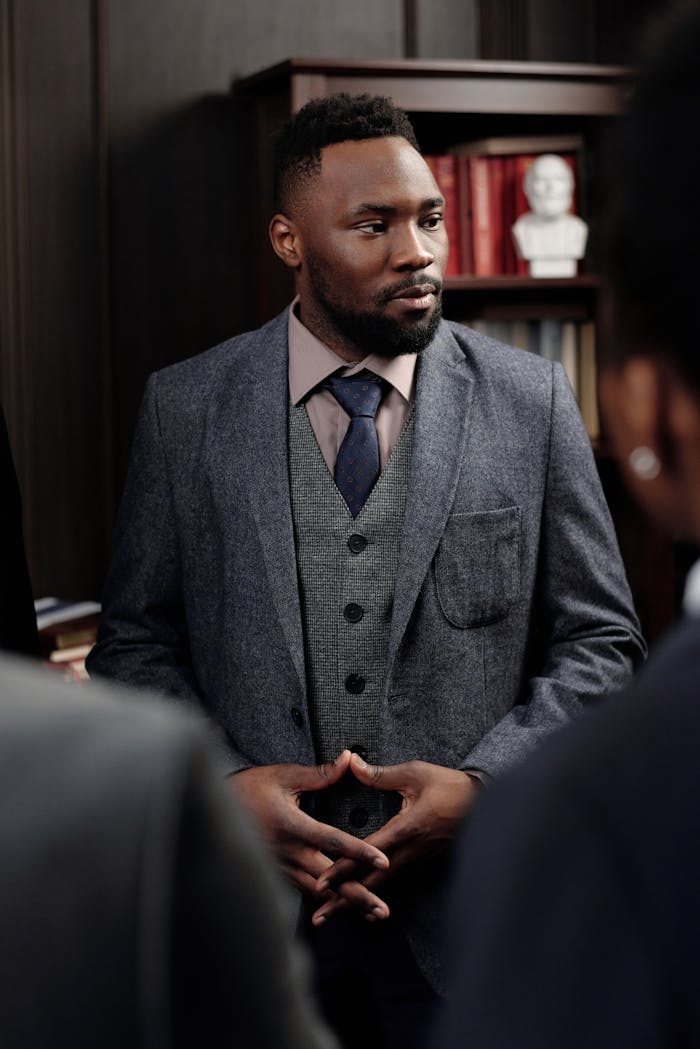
x=444 y=169
x=481 y=216
x=466 y=241
x=510 y=261
x=497 y=228
x=520 y=204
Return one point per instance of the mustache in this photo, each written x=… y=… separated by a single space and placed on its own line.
x=410 y=282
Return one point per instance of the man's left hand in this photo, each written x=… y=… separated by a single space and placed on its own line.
x=435 y=800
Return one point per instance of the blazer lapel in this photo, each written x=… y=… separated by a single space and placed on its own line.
x=443 y=398
x=254 y=443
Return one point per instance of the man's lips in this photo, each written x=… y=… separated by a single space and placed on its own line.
x=417 y=297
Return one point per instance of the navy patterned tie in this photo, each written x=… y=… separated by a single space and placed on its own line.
x=357 y=463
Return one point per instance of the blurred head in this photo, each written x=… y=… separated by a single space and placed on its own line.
x=650 y=381
x=549 y=186
x=360 y=220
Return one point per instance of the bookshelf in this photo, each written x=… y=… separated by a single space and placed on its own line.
x=457 y=102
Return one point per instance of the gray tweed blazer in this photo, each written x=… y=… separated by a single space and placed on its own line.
x=511 y=608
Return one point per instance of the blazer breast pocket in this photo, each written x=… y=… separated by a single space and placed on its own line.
x=477 y=566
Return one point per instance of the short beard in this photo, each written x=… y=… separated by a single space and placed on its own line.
x=373 y=332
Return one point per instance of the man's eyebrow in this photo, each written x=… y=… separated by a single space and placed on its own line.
x=391 y=209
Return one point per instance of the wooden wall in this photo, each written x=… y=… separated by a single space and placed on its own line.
x=124 y=180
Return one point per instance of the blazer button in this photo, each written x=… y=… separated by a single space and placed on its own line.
x=355 y=683
x=353 y=613
x=357 y=543
x=297 y=717
x=358 y=817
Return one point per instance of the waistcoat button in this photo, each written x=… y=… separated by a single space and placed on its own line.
x=358 y=817
x=355 y=683
x=353 y=613
x=357 y=543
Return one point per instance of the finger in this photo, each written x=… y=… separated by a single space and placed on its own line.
x=308 y=859
x=399 y=830
x=303 y=881
x=320 y=777
x=369 y=775
x=334 y=841
x=338 y=903
x=352 y=894
x=341 y=871
x=385 y=777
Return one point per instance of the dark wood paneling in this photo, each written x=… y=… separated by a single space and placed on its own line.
x=267 y=31
x=560 y=32
x=446 y=29
x=502 y=28
x=179 y=189
x=54 y=385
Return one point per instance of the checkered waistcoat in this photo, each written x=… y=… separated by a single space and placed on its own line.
x=347 y=572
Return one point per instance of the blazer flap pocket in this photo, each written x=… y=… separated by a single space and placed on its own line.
x=477 y=566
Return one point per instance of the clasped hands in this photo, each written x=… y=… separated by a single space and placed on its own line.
x=334 y=867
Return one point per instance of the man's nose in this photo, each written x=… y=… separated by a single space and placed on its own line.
x=410 y=250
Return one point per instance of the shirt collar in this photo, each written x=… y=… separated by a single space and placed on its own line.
x=311 y=361
x=691 y=598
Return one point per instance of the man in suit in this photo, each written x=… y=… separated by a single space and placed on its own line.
x=128 y=882
x=575 y=919
x=374 y=649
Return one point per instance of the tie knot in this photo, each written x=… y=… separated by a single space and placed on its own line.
x=359 y=394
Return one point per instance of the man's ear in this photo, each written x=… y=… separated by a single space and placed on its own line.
x=285 y=240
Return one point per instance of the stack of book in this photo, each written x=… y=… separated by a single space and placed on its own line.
x=571 y=343
x=67 y=632
x=482 y=183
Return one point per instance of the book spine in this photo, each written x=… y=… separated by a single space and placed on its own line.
x=510 y=259
x=569 y=353
x=497 y=228
x=481 y=216
x=444 y=169
x=466 y=241
x=550 y=339
x=588 y=380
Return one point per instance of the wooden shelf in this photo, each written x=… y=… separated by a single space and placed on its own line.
x=584 y=282
x=530 y=88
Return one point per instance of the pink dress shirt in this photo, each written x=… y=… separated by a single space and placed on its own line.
x=310 y=362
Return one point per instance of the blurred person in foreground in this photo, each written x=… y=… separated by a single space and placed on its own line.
x=129 y=882
x=575 y=919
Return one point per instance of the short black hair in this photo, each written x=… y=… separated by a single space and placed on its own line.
x=654 y=228
x=324 y=122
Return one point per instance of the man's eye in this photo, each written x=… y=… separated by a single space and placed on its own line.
x=433 y=221
x=372 y=227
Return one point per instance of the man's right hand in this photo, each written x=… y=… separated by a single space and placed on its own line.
x=306 y=847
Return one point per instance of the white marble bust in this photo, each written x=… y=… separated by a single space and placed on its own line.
x=549 y=236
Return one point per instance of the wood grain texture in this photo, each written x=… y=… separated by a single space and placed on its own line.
x=53 y=381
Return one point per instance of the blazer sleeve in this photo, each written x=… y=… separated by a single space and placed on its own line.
x=142 y=639
x=585 y=639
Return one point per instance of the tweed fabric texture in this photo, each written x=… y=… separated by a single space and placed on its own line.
x=334 y=583
x=357 y=463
